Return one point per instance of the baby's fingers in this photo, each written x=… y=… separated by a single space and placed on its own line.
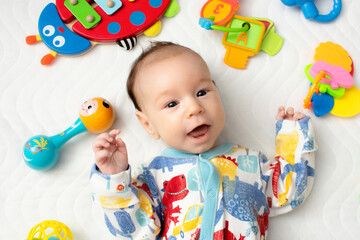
x=114 y=132
x=121 y=145
x=281 y=113
x=102 y=142
x=299 y=115
x=289 y=113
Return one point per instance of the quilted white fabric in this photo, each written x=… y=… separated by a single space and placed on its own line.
x=35 y=99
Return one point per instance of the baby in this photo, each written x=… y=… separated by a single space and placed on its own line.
x=196 y=189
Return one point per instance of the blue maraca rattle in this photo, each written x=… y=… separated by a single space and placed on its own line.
x=41 y=152
x=311 y=12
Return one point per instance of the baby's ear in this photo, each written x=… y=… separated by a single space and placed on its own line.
x=144 y=120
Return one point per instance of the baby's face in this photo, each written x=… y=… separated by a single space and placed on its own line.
x=180 y=103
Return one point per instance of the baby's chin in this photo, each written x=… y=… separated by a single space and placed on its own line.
x=196 y=149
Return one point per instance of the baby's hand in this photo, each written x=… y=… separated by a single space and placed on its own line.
x=289 y=114
x=110 y=153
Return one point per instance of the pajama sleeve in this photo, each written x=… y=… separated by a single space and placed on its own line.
x=129 y=209
x=290 y=176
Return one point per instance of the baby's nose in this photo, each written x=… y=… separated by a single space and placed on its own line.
x=194 y=108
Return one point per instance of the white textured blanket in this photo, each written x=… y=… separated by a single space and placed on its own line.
x=36 y=99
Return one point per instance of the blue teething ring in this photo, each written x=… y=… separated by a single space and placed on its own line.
x=332 y=15
x=311 y=12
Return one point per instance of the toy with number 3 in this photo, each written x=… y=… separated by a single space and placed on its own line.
x=221 y=10
x=244 y=36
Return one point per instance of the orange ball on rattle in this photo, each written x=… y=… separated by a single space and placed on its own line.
x=97 y=115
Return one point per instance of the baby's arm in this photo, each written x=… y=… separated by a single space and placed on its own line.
x=128 y=210
x=291 y=174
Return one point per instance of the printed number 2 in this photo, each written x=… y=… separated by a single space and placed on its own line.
x=217 y=9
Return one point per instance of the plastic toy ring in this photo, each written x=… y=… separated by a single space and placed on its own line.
x=245 y=27
x=311 y=12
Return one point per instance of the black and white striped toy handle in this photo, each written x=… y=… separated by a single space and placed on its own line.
x=127 y=43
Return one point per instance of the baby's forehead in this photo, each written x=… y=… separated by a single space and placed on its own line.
x=165 y=53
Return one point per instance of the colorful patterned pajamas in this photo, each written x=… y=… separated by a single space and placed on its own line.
x=228 y=192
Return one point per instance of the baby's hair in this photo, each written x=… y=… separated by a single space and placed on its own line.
x=155 y=46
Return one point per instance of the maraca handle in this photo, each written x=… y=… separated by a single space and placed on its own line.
x=60 y=139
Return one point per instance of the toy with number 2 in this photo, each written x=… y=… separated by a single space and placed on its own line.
x=41 y=152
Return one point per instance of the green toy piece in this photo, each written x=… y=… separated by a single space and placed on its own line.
x=252 y=40
x=172 y=9
x=83 y=11
x=272 y=42
x=325 y=88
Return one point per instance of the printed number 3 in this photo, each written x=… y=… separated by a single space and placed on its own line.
x=217 y=9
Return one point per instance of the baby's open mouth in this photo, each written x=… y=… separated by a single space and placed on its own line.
x=199 y=131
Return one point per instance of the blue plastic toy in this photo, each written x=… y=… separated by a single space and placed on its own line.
x=41 y=152
x=322 y=103
x=311 y=12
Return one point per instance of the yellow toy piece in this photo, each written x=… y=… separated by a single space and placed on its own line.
x=154 y=30
x=348 y=105
x=221 y=10
x=333 y=54
x=50 y=230
x=102 y=117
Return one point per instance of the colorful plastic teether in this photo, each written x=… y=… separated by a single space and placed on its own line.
x=311 y=12
x=41 y=152
x=221 y=10
x=50 y=230
x=338 y=76
x=333 y=70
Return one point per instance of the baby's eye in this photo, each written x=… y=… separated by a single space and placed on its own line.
x=201 y=93
x=171 y=104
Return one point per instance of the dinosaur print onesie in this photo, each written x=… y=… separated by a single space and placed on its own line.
x=228 y=192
